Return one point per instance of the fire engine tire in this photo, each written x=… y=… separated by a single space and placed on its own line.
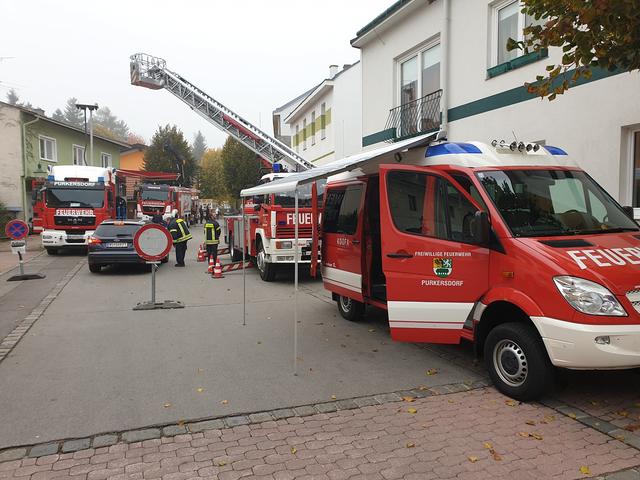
x=236 y=255
x=517 y=361
x=95 y=268
x=350 y=309
x=52 y=251
x=267 y=270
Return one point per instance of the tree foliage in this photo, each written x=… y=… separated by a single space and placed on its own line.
x=110 y=124
x=240 y=165
x=71 y=114
x=134 y=138
x=212 y=179
x=594 y=33
x=199 y=147
x=157 y=158
x=12 y=97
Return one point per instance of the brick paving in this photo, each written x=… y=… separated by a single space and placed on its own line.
x=478 y=434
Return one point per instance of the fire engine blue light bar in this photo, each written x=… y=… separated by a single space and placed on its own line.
x=451 y=148
x=555 y=150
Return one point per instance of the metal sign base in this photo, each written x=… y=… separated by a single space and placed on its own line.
x=167 y=304
x=22 y=275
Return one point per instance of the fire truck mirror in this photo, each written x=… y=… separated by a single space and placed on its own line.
x=481 y=228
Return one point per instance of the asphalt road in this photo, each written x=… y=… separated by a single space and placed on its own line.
x=91 y=364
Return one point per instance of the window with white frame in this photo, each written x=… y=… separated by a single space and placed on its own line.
x=508 y=21
x=297 y=138
x=323 y=121
x=48 y=149
x=304 y=134
x=420 y=73
x=105 y=160
x=77 y=154
x=313 y=127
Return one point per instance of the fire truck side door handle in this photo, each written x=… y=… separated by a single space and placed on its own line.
x=399 y=255
x=355 y=242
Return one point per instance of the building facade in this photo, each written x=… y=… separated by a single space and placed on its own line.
x=281 y=129
x=326 y=124
x=133 y=157
x=30 y=142
x=419 y=70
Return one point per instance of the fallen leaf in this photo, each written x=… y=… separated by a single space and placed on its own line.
x=585 y=470
x=371 y=330
x=412 y=410
x=180 y=422
x=410 y=445
x=512 y=403
x=594 y=403
x=199 y=389
x=259 y=342
x=375 y=350
x=409 y=399
x=473 y=459
x=619 y=437
x=167 y=405
x=623 y=413
x=572 y=415
x=550 y=418
x=422 y=388
x=333 y=397
x=524 y=434
x=632 y=427
x=487 y=445
x=537 y=436
x=530 y=422
x=224 y=402
x=222 y=463
x=497 y=457
x=432 y=371
x=294 y=450
x=200 y=370
x=320 y=323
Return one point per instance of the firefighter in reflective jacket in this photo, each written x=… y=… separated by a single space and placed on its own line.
x=181 y=235
x=212 y=239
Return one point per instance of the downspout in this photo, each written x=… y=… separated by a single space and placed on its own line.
x=24 y=166
x=444 y=71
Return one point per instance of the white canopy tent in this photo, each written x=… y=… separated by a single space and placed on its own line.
x=293 y=181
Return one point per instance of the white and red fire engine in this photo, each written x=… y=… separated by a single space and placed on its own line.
x=162 y=200
x=510 y=246
x=71 y=203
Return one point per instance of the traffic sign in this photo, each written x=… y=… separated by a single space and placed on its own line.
x=16 y=229
x=152 y=242
x=18 y=247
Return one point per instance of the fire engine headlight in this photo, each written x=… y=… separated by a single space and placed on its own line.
x=284 y=245
x=589 y=297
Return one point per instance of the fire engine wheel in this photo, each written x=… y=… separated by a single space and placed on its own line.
x=350 y=309
x=236 y=255
x=517 y=361
x=95 y=268
x=267 y=270
x=52 y=251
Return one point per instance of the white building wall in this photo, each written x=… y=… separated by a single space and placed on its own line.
x=321 y=149
x=10 y=158
x=347 y=112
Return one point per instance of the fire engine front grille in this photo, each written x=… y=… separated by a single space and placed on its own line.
x=634 y=297
x=84 y=221
x=289 y=232
x=152 y=210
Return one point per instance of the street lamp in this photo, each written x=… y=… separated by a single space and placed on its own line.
x=91 y=107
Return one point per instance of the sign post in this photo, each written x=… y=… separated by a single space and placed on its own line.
x=17 y=231
x=153 y=242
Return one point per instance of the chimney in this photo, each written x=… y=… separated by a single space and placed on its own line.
x=333 y=71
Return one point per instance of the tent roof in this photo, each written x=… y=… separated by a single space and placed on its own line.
x=291 y=182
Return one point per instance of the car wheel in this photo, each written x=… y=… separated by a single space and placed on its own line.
x=517 y=361
x=236 y=255
x=93 y=268
x=52 y=251
x=350 y=309
x=267 y=270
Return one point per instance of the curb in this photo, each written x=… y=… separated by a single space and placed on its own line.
x=9 y=342
x=106 y=439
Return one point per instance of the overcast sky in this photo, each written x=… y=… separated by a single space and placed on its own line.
x=251 y=55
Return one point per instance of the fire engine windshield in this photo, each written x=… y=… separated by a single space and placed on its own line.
x=75 y=197
x=537 y=203
x=161 y=195
x=304 y=196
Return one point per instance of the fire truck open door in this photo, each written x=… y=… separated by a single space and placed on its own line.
x=433 y=257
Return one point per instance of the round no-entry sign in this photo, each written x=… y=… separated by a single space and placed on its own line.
x=16 y=229
x=152 y=242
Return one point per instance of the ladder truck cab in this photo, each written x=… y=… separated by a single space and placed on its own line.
x=271 y=229
x=162 y=200
x=508 y=245
x=71 y=203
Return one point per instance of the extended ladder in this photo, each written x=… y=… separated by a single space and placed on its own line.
x=151 y=72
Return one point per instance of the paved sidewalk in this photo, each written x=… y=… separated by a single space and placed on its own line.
x=9 y=261
x=472 y=435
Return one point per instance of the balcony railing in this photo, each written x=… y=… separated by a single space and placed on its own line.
x=416 y=117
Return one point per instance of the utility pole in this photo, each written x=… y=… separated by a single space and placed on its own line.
x=91 y=107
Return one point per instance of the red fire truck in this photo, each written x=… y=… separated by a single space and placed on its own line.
x=510 y=246
x=270 y=229
x=162 y=200
x=71 y=203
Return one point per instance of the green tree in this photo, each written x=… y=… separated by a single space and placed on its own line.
x=58 y=115
x=159 y=158
x=107 y=124
x=199 y=147
x=12 y=97
x=5 y=217
x=241 y=167
x=594 y=33
x=212 y=180
x=72 y=115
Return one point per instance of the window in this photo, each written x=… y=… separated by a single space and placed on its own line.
x=304 y=134
x=323 y=121
x=48 y=150
x=636 y=169
x=297 y=140
x=313 y=127
x=508 y=22
x=455 y=215
x=341 y=209
x=105 y=160
x=77 y=154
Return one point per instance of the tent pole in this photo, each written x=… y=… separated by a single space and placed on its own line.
x=244 y=283
x=295 y=282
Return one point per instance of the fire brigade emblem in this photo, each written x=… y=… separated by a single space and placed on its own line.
x=442 y=267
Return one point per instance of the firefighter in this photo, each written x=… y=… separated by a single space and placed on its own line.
x=212 y=239
x=181 y=235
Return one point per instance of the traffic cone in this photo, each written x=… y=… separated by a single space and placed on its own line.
x=217 y=270
x=210 y=268
x=202 y=253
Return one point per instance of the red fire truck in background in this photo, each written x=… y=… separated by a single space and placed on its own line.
x=162 y=200
x=71 y=203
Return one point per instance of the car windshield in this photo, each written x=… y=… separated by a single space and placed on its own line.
x=116 y=230
x=75 y=197
x=160 y=195
x=304 y=196
x=537 y=203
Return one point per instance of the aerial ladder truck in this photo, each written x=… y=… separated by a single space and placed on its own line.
x=270 y=226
